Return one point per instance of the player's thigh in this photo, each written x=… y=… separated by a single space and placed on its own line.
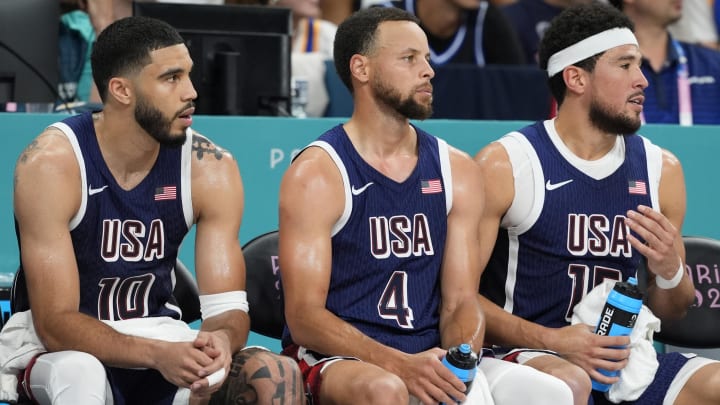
x=570 y=373
x=358 y=382
x=703 y=386
x=538 y=388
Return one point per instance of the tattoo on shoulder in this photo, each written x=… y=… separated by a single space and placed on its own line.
x=28 y=151
x=203 y=146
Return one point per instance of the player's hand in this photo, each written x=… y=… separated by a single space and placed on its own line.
x=579 y=345
x=181 y=362
x=659 y=236
x=211 y=377
x=428 y=379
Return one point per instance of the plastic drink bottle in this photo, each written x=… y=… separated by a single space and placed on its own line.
x=618 y=317
x=462 y=362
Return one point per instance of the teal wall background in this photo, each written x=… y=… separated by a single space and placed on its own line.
x=264 y=147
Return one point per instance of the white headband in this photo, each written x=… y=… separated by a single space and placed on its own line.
x=588 y=47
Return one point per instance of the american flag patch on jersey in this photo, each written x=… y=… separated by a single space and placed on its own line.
x=637 y=187
x=165 y=193
x=431 y=186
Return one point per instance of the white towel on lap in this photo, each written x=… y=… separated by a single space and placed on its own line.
x=19 y=343
x=642 y=363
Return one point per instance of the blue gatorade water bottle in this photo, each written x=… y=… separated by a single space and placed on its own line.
x=463 y=363
x=618 y=317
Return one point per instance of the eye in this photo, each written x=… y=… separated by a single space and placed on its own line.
x=409 y=58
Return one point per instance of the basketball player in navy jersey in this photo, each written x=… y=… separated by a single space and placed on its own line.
x=579 y=199
x=102 y=203
x=379 y=248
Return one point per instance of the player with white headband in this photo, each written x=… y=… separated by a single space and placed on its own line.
x=579 y=200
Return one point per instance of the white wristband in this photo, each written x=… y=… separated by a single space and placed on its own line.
x=666 y=284
x=216 y=377
x=215 y=304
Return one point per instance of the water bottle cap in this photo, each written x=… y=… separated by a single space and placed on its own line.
x=629 y=288
x=464 y=348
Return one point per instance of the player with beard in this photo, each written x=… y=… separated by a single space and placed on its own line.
x=379 y=244
x=102 y=202
x=579 y=199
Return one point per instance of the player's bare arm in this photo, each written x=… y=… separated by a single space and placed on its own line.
x=461 y=319
x=217 y=195
x=311 y=200
x=502 y=328
x=661 y=242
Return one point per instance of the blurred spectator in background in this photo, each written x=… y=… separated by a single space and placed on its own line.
x=81 y=22
x=697 y=24
x=336 y=11
x=312 y=33
x=312 y=46
x=684 y=79
x=530 y=19
x=465 y=31
x=76 y=37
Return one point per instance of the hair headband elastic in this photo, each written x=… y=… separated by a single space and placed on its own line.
x=588 y=47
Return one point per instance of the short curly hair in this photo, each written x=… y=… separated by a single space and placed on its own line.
x=571 y=26
x=125 y=45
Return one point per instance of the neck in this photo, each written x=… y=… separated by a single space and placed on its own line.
x=580 y=136
x=440 y=17
x=388 y=145
x=127 y=150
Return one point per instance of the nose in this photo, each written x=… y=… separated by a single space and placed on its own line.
x=191 y=93
x=428 y=71
x=642 y=81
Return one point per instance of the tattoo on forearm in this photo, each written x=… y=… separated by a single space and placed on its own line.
x=256 y=374
x=202 y=146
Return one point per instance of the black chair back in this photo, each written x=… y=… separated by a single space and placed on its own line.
x=700 y=328
x=263 y=285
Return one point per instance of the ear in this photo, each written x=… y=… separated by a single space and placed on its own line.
x=359 y=68
x=575 y=79
x=119 y=89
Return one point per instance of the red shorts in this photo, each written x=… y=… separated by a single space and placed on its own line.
x=311 y=366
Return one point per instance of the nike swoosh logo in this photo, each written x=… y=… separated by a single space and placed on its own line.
x=549 y=186
x=93 y=191
x=358 y=191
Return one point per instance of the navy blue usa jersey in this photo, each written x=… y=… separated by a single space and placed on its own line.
x=126 y=241
x=387 y=247
x=574 y=236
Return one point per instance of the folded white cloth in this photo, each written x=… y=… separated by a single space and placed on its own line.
x=18 y=344
x=642 y=363
x=160 y=328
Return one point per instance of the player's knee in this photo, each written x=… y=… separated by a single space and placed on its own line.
x=73 y=364
x=385 y=389
x=68 y=377
x=576 y=378
x=273 y=377
x=85 y=364
x=554 y=391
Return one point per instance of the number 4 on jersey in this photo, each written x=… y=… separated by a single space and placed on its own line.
x=393 y=302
